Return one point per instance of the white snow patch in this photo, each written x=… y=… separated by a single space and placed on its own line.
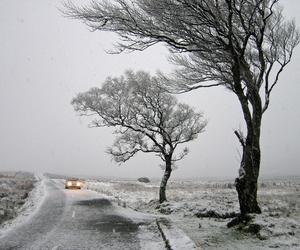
x=136 y=217
x=128 y=192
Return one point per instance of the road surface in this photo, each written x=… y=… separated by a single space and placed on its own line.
x=80 y=219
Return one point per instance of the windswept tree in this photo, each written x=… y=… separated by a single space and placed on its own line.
x=243 y=45
x=146 y=118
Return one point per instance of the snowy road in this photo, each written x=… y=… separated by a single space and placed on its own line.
x=79 y=219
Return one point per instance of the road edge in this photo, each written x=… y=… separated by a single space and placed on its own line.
x=174 y=238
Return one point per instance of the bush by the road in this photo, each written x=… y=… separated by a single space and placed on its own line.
x=144 y=179
x=14 y=190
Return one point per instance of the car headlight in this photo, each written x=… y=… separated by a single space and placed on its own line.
x=69 y=183
x=78 y=184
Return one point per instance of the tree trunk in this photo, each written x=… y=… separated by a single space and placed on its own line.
x=246 y=183
x=163 y=184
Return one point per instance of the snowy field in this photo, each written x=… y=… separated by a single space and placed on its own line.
x=202 y=210
x=19 y=196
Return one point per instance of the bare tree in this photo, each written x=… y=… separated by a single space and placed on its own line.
x=243 y=45
x=147 y=119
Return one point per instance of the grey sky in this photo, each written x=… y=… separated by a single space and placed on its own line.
x=46 y=59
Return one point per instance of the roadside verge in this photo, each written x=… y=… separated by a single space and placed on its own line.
x=174 y=238
x=31 y=205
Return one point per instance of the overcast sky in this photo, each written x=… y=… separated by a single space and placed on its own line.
x=46 y=59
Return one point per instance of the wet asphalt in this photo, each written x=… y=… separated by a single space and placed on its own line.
x=73 y=219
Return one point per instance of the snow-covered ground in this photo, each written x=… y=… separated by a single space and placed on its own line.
x=20 y=195
x=202 y=210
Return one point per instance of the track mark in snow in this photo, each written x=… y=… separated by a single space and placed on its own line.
x=55 y=248
x=73 y=214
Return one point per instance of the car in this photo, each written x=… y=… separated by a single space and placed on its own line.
x=73 y=183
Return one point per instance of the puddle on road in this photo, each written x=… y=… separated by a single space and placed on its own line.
x=112 y=223
x=103 y=220
x=95 y=203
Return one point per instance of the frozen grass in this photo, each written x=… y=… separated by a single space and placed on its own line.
x=199 y=208
x=14 y=191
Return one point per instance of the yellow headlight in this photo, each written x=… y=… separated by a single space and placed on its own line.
x=78 y=184
x=69 y=183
